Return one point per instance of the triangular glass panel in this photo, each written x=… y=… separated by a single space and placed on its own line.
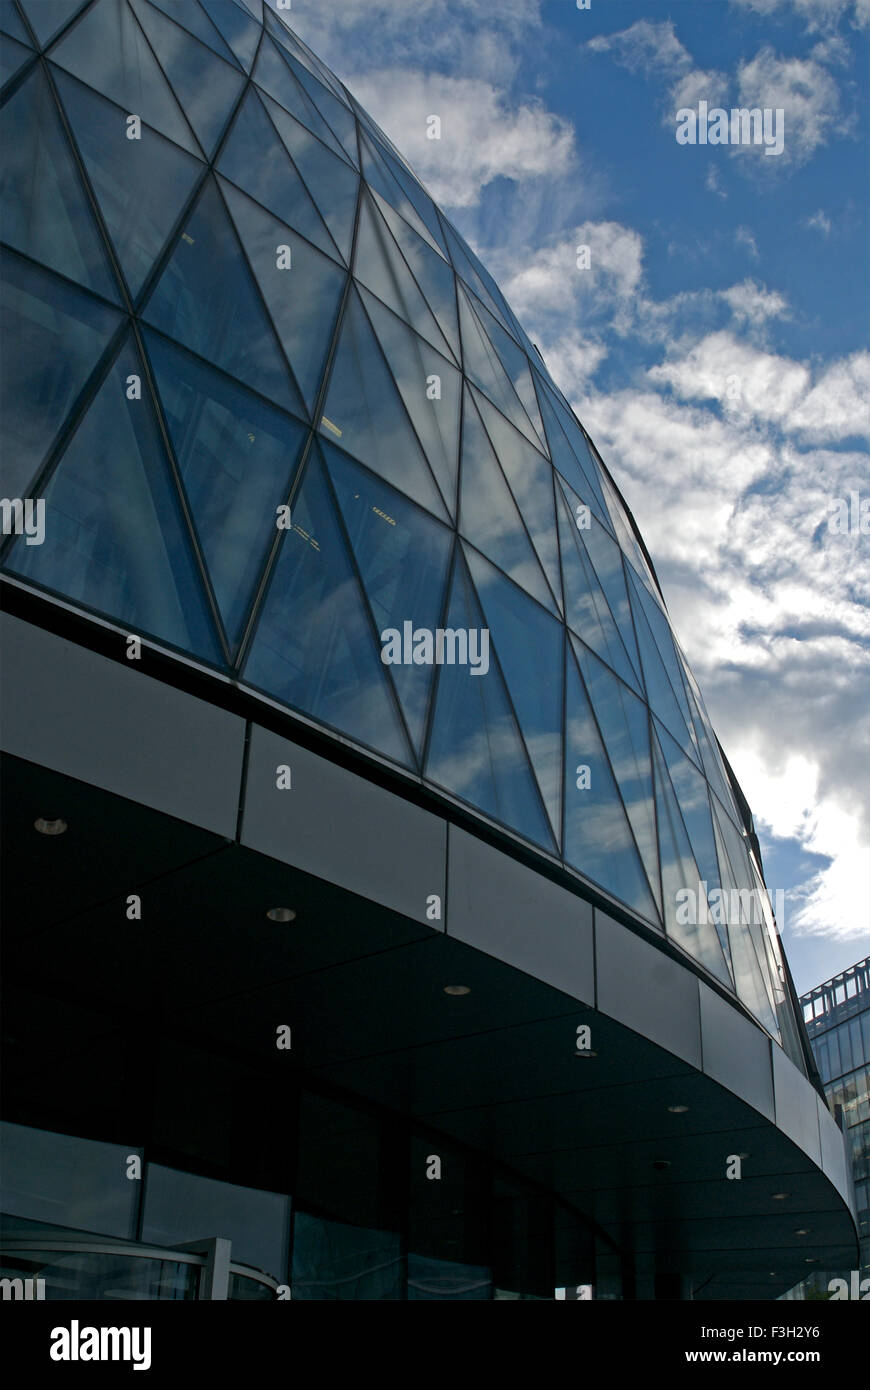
x=237 y=27
x=661 y=630
x=432 y=273
x=415 y=192
x=257 y=161
x=694 y=800
x=751 y=904
x=515 y=363
x=749 y=982
x=706 y=740
x=197 y=22
x=530 y=476
x=431 y=389
x=115 y=539
x=206 y=87
x=402 y=554
x=582 y=479
x=381 y=178
x=483 y=365
x=379 y=265
x=59 y=332
x=475 y=749
x=141 y=187
x=598 y=838
x=488 y=514
x=237 y=457
x=293 y=44
x=624 y=530
x=12 y=57
x=607 y=562
x=12 y=25
x=466 y=266
x=687 y=920
x=586 y=609
x=365 y=412
x=46 y=17
x=330 y=182
x=108 y=50
x=334 y=112
x=46 y=213
x=206 y=299
x=529 y=646
x=315 y=647
x=624 y=723
x=303 y=298
x=659 y=690
x=273 y=74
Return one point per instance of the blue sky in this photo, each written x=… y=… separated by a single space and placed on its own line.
x=716 y=347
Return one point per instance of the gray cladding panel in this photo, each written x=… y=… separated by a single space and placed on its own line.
x=115 y=727
x=643 y=988
x=343 y=828
x=736 y=1053
x=516 y=915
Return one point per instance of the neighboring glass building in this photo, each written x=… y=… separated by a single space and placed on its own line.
x=324 y=605
x=837 y=1017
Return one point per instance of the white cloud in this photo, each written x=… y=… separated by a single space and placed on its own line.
x=804 y=91
x=821 y=221
x=751 y=303
x=483 y=134
x=817 y=14
x=744 y=237
x=652 y=47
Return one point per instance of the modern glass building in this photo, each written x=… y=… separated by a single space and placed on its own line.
x=837 y=1017
x=383 y=917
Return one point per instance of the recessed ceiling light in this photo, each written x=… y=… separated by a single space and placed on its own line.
x=677 y=1109
x=587 y=1053
x=804 y=1231
x=780 y=1196
x=811 y=1260
x=457 y=989
x=281 y=914
x=49 y=827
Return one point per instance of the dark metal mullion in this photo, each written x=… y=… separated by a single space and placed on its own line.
x=90 y=195
x=346 y=541
x=74 y=416
x=657 y=649
x=436 y=675
x=514 y=500
x=517 y=723
x=309 y=97
x=603 y=742
x=65 y=24
x=399 y=395
x=316 y=413
x=162 y=72
x=226 y=43
x=419 y=287
x=298 y=174
x=258 y=293
x=505 y=370
x=181 y=497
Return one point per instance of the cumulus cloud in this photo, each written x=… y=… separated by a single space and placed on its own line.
x=484 y=135
x=816 y=14
x=652 y=48
x=804 y=91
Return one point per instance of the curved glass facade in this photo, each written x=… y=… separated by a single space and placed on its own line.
x=283 y=421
